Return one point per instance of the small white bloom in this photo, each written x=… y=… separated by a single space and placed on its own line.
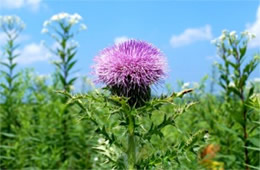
x=96 y=159
x=46 y=23
x=231 y=84
x=77 y=16
x=13 y=23
x=222 y=37
x=206 y=136
x=249 y=35
x=225 y=32
x=232 y=34
x=101 y=140
x=44 y=30
x=252 y=35
x=244 y=33
x=59 y=16
x=63 y=15
x=55 y=18
x=83 y=27
x=71 y=87
x=73 y=21
x=185 y=85
x=106 y=142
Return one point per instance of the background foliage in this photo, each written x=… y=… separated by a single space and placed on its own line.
x=202 y=130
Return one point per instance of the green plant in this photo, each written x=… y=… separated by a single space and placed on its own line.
x=63 y=33
x=10 y=89
x=12 y=27
x=139 y=150
x=233 y=79
x=66 y=48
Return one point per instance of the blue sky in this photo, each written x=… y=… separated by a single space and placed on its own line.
x=181 y=29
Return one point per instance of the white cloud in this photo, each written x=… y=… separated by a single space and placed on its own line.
x=32 y=53
x=191 y=35
x=15 y=4
x=11 y=4
x=255 y=29
x=121 y=39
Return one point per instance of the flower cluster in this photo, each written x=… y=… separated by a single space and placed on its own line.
x=130 y=67
x=12 y=25
x=233 y=36
x=227 y=39
x=65 y=19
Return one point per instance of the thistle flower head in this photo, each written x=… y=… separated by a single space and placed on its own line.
x=130 y=67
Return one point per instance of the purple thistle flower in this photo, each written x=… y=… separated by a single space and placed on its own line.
x=129 y=68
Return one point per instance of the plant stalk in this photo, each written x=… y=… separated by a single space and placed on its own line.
x=247 y=162
x=131 y=144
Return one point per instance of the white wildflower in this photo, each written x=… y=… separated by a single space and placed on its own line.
x=244 y=33
x=68 y=18
x=73 y=21
x=185 y=85
x=231 y=84
x=101 y=140
x=206 y=136
x=63 y=15
x=59 y=16
x=247 y=34
x=222 y=37
x=76 y=16
x=83 y=27
x=13 y=22
x=46 y=23
x=44 y=30
x=224 y=32
x=252 y=35
x=71 y=87
x=233 y=34
x=54 y=18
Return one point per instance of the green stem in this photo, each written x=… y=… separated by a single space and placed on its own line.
x=131 y=144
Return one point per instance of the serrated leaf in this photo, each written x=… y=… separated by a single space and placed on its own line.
x=71 y=65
